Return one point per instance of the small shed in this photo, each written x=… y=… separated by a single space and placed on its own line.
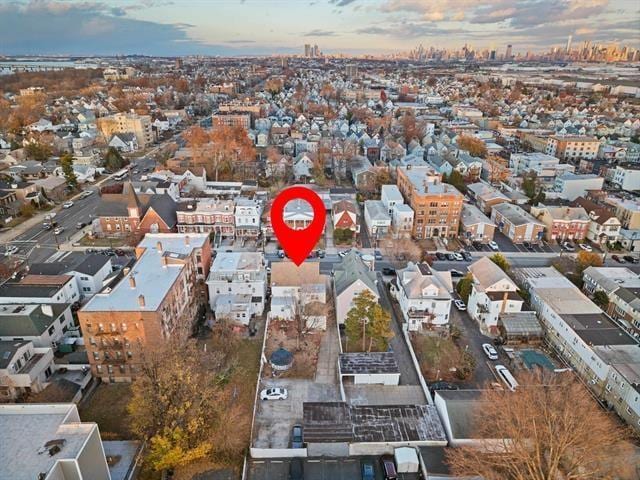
x=378 y=368
x=520 y=327
x=281 y=359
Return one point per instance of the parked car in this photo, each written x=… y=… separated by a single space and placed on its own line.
x=441 y=256
x=618 y=259
x=11 y=249
x=388 y=271
x=450 y=256
x=68 y=204
x=460 y=305
x=280 y=253
x=489 y=351
x=457 y=273
x=368 y=469
x=320 y=253
x=296 y=469
x=58 y=230
x=297 y=437
x=86 y=193
x=388 y=467
x=631 y=259
x=568 y=247
x=443 y=386
x=120 y=252
x=528 y=246
x=458 y=257
x=466 y=255
x=343 y=253
x=109 y=253
x=377 y=255
x=80 y=225
x=274 y=393
x=505 y=375
x=493 y=246
x=585 y=247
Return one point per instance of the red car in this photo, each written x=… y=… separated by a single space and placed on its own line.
x=388 y=467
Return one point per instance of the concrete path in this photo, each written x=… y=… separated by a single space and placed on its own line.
x=327 y=367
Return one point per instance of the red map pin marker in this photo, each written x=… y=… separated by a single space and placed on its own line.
x=297 y=244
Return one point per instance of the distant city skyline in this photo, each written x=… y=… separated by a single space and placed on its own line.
x=262 y=27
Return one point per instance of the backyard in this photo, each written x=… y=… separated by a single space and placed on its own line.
x=282 y=334
x=107 y=406
x=441 y=358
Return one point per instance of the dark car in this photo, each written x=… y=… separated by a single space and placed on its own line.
x=388 y=467
x=631 y=259
x=528 y=246
x=297 y=437
x=617 y=259
x=377 y=255
x=368 y=470
x=443 y=386
x=388 y=271
x=457 y=273
x=450 y=256
x=466 y=255
x=441 y=256
x=296 y=469
x=120 y=252
x=320 y=253
x=280 y=253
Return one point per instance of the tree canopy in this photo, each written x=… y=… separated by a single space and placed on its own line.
x=501 y=261
x=473 y=145
x=66 y=162
x=367 y=324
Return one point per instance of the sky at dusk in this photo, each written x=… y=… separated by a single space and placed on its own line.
x=247 y=27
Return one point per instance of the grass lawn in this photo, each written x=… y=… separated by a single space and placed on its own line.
x=107 y=406
x=102 y=242
x=439 y=356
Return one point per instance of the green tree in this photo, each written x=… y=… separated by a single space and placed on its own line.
x=113 y=160
x=501 y=261
x=532 y=188
x=38 y=151
x=66 y=162
x=456 y=179
x=464 y=287
x=27 y=210
x=601 y=299
x=367 y=320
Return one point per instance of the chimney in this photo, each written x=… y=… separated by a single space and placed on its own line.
x=505 y=297
x=47 y=310
x=163 y=261
x=141 y=301
x=186 y=240
x=132 y=281
x=159 y=246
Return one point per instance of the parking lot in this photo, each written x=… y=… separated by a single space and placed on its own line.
x=317 y=469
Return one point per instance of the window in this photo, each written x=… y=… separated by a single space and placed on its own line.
x=52 y=329
x=99 y=368
x=86 y=289
x=96 y=355
x=84 y=278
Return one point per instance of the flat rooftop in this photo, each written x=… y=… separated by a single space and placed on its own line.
x=598 y=329
x=237 y=261
x=25 y=431
x=368 y=363
x=331 y=422
x=152 y=279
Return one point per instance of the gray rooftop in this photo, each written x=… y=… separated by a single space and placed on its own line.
x=338 y=422
x=598 y=329
x=368 y=363
x=514 y=214
x=20 y=320
x=351 y=269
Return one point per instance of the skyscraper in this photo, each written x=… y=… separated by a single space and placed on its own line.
x=307 y=50
x=569 y=44
x=508 y=55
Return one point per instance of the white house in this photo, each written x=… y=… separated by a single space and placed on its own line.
x=247 y=217
x=402 y=220
x=390 y=196
x=627 y=177
x=23 y=368
x=237 y=285
x=424 y=296
x=302 y=166
x=43 y=324
x=351 y=277
x=377 y=218
x=492 y=294
x=40 y=289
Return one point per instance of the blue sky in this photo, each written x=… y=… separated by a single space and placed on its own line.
x=245 y=27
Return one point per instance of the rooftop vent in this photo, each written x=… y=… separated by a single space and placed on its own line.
x=141 y=301
x=159 y=246
x=132 y=281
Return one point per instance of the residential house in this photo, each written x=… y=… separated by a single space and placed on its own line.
x=424 y=296
x=376 y=218
x=247 y=218
x=303 y=166
x=207 y=215
x=486 y=196
x=124 y=142
x=572 y=148
x=601 y=353
x=622 y=286
x=492 y=293
x=437 y=206
x=390 y=196
x=363 y=173
x=626 y=176
x=237 y=285
x=45 y=325
x=402 y=219
x=299 y=292
x=351 y=277
x=344 y=215
x=23 y=369
x=563 y=223
x=604 y=226
x=48 y=442
x=517 y=224
x=630 y=239
x=40 y=289
x=627 y=211
x=475 y=226
x=570 y=186
x=159 y=296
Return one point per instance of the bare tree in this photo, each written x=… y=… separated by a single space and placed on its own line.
x=549 y=428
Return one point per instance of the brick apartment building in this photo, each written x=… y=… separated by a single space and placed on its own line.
x=437 y=205
x=232 y=120
x=139 y=125
x=207 y=215
x=157 y=297
x=572 y=148
x=563 y=223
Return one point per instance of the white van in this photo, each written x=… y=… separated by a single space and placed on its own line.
x=506 y=377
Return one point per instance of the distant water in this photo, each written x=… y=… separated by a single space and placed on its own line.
x=11 y=66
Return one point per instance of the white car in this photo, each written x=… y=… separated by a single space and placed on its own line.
x=11 y=249
x=460 y=305
x=343 y=253
x=505 y=375
x=458 y=257
x=68 y=204
x=493 y=246
x=568 y=247
x=275 y=393
x=58 y=230
x=489 y=351
x=585 y=247
x=86 y=193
